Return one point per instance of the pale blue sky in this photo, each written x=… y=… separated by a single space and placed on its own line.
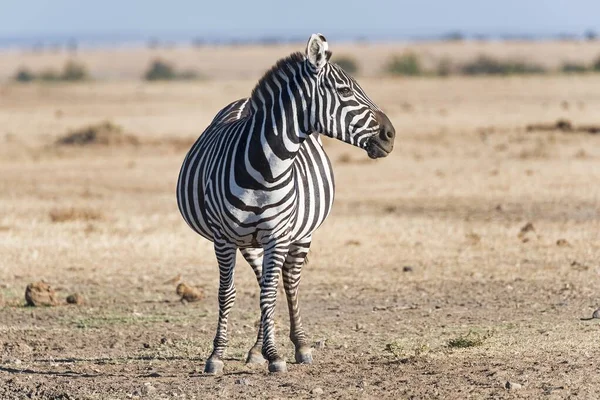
x=257 y=18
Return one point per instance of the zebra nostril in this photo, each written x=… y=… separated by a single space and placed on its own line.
x=389 y=134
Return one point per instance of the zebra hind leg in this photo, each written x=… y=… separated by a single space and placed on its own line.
x=292 y=269
x=225 y=253
x=254 y=257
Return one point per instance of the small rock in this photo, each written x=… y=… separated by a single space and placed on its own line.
x=146 y=345
x=320 y=344
x=75 y=298
x=317 y=391
x=596 y=314
x=189 y=293
x=243 y=382
x=359 y=327
x=40 y=294
x=512 y=385
x=407 y=268
x=562 y=243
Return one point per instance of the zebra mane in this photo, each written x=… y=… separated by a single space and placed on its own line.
x=292 y=60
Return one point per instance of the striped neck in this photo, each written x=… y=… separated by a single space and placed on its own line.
x=279 y=119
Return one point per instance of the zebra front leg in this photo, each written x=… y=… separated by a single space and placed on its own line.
x=274 y=258
x=225 y=253
x=254 y=257
x=292 y=269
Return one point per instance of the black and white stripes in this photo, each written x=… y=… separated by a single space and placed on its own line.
x=259 y=180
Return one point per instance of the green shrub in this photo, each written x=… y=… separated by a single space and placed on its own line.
x=485 y=65
x=74 y=71
x=407 y=64
x=573 y=68
x=347 y=63
x=160 y=71
x=24 y=75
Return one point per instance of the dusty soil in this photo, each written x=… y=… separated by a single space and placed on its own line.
x=420 y=284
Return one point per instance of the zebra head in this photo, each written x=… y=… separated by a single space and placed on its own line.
x=341 y=109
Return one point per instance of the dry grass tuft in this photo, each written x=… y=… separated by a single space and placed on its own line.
x=75 y=214
x=471 y=339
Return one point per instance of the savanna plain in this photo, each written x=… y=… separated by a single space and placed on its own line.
x=464 y=265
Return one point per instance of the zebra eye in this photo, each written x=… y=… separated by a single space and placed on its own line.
x=345 y=91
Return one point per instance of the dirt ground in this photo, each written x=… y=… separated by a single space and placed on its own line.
x=420 y=284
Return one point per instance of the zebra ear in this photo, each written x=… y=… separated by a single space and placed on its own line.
x=317 y=50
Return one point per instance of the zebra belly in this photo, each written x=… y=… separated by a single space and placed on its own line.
x=308 y=206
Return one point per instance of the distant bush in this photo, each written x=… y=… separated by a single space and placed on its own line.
x=24 y=75
x=485 y=65
x=407 y=64
x=444 y=67
x=573 y=68
x=74 y=71
x=162 y=71
x=347 y=63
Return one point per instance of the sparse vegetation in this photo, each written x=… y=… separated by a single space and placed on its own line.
x=407 y=64
x=49 y=75
x=573 y=68
x=161 y=70
x=72 y=72
x=596 y=65
x=74 y=214
x=444 y=67
x=486 y=65
x=347 y=63
x=471 y=339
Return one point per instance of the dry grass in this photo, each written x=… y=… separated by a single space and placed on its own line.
x=449 y=203
x=75 y=214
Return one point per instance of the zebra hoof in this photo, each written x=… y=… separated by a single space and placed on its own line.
x=213 y=366
x=277 y=366
x=304 y=356
x=255 y=358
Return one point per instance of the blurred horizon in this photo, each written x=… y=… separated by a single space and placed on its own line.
x=113 y=23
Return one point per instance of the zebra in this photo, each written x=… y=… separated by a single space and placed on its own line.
x=258 y=180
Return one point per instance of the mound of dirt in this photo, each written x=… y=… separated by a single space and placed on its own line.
x=103 y=134
x=40 y=294
x=189 y=293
